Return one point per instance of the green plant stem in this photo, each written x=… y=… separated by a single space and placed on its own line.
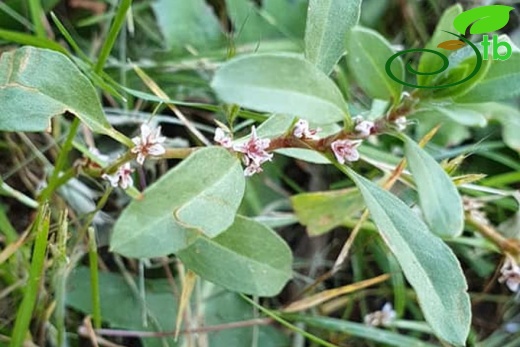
x=25 y=311
x=61 y=161
x=171 y=153
x=6 y=228
x=24 y=199
x=63 y=179
x=60 y=280
x=112 y=34
x=35 y=7
x=67 y=175
x=288 y=325
x=94 y=277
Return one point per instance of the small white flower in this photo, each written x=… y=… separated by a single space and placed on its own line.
x=222 y=139
x=510 y=274
x=302 y=131
x=381 y=318
x=255 y=153
x=148 y=143
x=346 y=150
x=113 y=179
x=122 y=177
x=363 y=127
x=252 y=169
x=401 y=123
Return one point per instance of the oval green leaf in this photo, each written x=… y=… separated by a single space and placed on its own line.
x=36 y=84
x=368 y=53
x=199 y=196
x=280 y=83
x=428 y=264
x=235 y=260
x=439 y=199
x=328 y=22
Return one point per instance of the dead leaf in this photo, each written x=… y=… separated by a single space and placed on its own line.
x=330 y=294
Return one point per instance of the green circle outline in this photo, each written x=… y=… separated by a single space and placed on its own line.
x=478 y=65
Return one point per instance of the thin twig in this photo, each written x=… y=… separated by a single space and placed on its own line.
x=510 y=246
x=202 y=330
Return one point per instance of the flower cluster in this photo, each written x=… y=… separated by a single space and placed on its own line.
x=381 y=318
x=255 y=149
x=148 y=143
x=510 y=274
x=255 y=153
x=346 y=150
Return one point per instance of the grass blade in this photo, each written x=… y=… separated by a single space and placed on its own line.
x=24 y=314
x=30 y=40
x=94 y=277
x=112 y=34
x=360 y=330
x=37 y=16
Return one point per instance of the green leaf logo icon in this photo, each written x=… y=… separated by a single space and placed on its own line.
x=483 y=19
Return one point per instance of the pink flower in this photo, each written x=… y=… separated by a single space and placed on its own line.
x=222 y=139
x=149 y=143
x=122 y=178
x=255 y=153
x=363 y=127
x=301 y=130
x=346 y=150
x=510 y=273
